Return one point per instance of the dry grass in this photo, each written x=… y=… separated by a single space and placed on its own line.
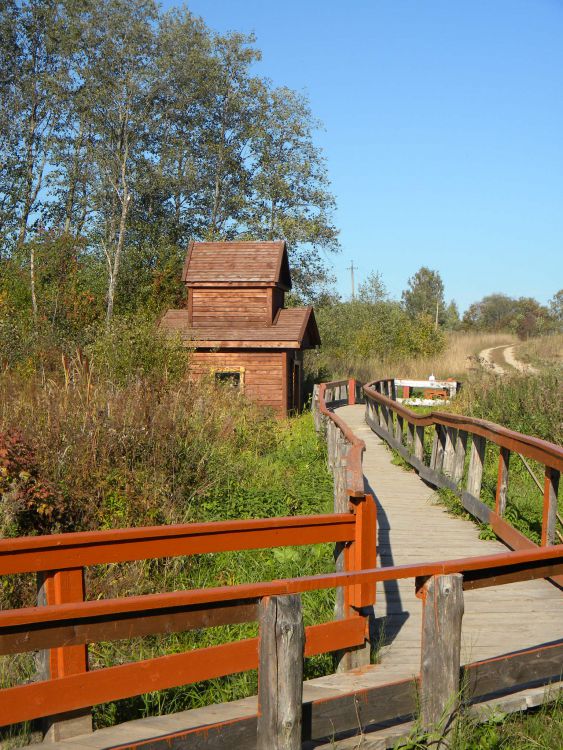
x=459 y=356
x=543 y=351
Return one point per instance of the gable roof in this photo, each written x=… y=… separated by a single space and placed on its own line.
x=293 y=328
x=233 y=263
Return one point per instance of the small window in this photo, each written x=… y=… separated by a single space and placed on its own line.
x=233 y=376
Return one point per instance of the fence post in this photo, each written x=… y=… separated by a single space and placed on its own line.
x=549 y=521
x=399 y=429
x=442 y=613
x=362 y=555
x=280 y=673
x=62 y=587
x=502 y=481
x=460 y=449
x=476 y=461
x=352 y=392
x=449 y=452
x=419 y=442
x=438 y=448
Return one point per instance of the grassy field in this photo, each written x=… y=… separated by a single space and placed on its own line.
x=458 y=359
x=544 y=351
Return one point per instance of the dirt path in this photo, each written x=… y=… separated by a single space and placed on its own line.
x=496 y=357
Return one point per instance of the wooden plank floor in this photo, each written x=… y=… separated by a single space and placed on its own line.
x=412 y=527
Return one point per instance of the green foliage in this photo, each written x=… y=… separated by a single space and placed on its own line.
x=523 y=316
x=425 y=295
x=361 y=329
x=128 y=451
x=132 y=348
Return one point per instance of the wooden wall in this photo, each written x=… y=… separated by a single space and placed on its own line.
x=227 y=307
x=265 y=373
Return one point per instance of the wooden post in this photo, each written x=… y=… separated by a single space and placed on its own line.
x=410 y=437
x=419 y=443
x=390 y=423
x=280 y=673
x=406 y=392
x=502 y=481
x=399 y=429
x=459 y=463
x=62 y=587
x=449 y=452
x=438 y=448
x=362 y=555
x=476 y=461
x=351 y=392
x=551 y=486
x=440 y=654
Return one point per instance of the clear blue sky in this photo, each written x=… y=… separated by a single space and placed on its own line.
x=443 y=131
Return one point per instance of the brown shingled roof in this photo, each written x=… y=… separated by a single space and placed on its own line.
x=225 y=263
x=293 y=328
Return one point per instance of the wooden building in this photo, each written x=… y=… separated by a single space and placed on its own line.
x=237 y=324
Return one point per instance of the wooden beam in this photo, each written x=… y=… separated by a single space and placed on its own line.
x=460 y=450
x=502 y=481
x=280 y=673
x=549 y=521
x=440 y=653
x=476 y=462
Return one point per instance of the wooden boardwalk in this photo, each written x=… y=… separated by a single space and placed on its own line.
x=412 y=527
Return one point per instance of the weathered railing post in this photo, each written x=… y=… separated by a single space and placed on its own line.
x=280 y=673
x=449 y=452
x=460 y=450
x=62 y=587
x=442 y=613
x=549 y=521
x=502 y=481
x=419 y=442
x=476 y=462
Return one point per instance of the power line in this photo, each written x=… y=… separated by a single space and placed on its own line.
x=352 y=268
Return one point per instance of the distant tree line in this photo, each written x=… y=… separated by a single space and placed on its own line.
x=125 y=132
x=416 y=325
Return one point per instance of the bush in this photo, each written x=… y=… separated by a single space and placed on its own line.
x=132 y=347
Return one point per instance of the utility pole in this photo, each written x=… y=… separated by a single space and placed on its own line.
x=352 y=268
x=437 y=309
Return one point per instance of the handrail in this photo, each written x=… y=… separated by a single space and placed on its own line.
x=488 y=570
x=76 y=691
x=354 y=471
x=546 y=453
x=446 y=468
x=31 y=554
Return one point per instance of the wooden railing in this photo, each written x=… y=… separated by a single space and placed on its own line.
x=65 y=626
x=64 y=623
x=67 y=623
x=345 y=451
x=453 y=437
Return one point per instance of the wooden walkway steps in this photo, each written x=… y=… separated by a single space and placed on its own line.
x=412 y=527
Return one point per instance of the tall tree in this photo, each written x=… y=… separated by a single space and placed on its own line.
x=425 y=295
x=290 y=188
x=119 y=81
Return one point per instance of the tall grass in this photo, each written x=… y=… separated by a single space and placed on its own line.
x=544 y=351
x=84 y=452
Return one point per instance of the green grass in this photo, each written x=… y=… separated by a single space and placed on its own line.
x=539 y=729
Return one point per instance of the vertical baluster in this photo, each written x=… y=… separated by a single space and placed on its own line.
x=460 y=449
x=476 y=461
x=551 y=487
x=449 y=451
x=502 y=481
